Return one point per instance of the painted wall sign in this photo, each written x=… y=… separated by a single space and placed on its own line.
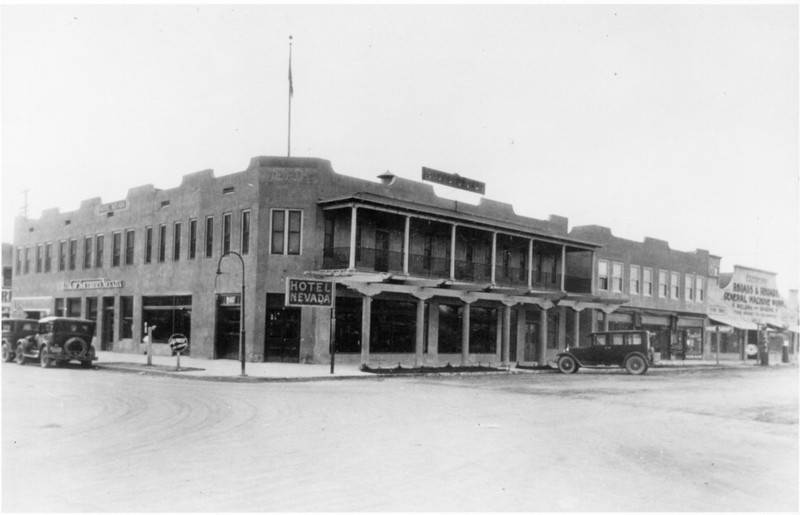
x=91 y=284
x=309 y=292
x=453 y=180
x=747 y=295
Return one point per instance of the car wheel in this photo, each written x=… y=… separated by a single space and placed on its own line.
x=636 y=365
x=86 y=364
x=19 y=357
x=44 y=358
x=7 y=354
x=567 y=365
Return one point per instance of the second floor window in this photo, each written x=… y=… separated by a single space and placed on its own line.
x=98 y=250
x=62 y=256
x=286 y=231
x=39 y=250
x=176 y=243
x=634 y=279
x=209 y=236
x=226 y=233
x=602 y=274
x=130 y=236
x=663 y=284
x=148 y=244
x=48 y=256
x=245 y=244
x=701 y=290
x=87 y=252
x=73 y=253
x=116 y=248
x=616 y=272
x=675 y=284
x=162 y=243
x=647 y=281
x=688 y=287
x=192 y=239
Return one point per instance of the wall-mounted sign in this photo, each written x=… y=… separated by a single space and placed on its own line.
x=749 y=295
x=309 y=292
x=91 y=284
x=119 y=205
x=453 y=180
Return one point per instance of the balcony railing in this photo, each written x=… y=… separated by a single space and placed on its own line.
x=474 y=272
x=336 y=258
x=428 y=266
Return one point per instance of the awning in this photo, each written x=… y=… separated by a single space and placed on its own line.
x=739 y=324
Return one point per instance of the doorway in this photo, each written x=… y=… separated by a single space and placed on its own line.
x=107 y=337
x=282 y=337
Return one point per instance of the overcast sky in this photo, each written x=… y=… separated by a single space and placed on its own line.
x=674 y=122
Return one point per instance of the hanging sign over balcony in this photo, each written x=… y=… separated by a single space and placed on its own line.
x=453 y=180
x=309 y=293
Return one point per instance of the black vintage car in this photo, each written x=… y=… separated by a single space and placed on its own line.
x=15 y=329
x=58 y=340
x=629 y=349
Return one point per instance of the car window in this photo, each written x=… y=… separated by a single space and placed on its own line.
x=6 y=326
x=29 y=326
x=635 y=339
x=617 y=339
x=600 y=339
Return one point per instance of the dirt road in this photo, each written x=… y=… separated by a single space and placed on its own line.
x=703 y=440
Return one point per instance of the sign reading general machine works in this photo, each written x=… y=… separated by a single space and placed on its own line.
x=91 y=284
x=453 y=180
x=309 y=292
x=750 y=296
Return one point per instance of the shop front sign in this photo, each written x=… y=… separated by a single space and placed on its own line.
x=91 y=284
x=749 y=296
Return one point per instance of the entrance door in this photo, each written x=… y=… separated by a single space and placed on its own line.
x=107 y=338
x=227 y=341
x=381 y=251
x=531 y=340
x=282 y=340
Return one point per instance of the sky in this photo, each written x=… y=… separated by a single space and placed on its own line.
x=676 y=122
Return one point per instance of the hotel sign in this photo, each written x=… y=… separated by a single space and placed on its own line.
x=453 y=180
x=309 y=293
x=91 y=284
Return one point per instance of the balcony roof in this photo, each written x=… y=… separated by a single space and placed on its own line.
x=391 y=205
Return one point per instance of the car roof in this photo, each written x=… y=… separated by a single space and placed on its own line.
x=621 y=331
x=68 y=319
x=20 y=320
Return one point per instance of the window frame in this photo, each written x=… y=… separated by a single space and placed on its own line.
x=282 y=232
x=209 y=237
x=162 y=243
x=634 y=280
x=675 y=285
x=244 y=233
x=130 y=245
x=177 y=234
x=688 y=287
x=227 y=228
x=663 y=284
x=603 y=279
x=192 y=238
x=116 y=248
x=99 y=250
x=647 y=285
x=88 y=252
x=617 y=281
x=148 y=244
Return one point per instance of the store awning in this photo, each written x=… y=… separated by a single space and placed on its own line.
x=739 y=324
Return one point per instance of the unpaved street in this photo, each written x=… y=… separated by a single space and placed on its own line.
x=700 y=440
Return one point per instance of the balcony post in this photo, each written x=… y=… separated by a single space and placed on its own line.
x=406 y=239
x=366 y=319
x=542 y=337
x=530 y=264
x=353 y=215
x=506 y=341
x=494 y=256
x=453 y=253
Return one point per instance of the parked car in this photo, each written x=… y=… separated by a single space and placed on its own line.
x=57 y=341
x=629 y=349
x=14 y=330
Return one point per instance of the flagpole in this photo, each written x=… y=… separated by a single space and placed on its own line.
x=291 y=92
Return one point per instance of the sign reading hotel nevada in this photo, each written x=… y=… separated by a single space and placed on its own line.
x=309 y=293
x=91 y=284
x=749 y=295
x=453 y=180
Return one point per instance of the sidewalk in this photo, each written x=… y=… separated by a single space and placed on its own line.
x=231 y=370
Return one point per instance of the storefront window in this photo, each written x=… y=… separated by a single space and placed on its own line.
x=74 y=307
x=393 y=326
x=126 y=330
x=169 y=314
x=483 y=330
x=348 y=324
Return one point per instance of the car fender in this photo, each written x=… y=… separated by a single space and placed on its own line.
x=571 y=355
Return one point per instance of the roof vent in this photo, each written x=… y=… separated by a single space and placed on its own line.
x=387 y=179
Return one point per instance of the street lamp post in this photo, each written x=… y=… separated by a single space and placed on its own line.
x=241 y=315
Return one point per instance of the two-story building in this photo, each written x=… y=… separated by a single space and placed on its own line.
x=664 y=291
x=419 y=279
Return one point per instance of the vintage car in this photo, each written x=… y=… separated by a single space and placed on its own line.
x=15 y=329
x=58 y=340
x=628 y=349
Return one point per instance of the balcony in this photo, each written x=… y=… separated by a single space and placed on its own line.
x=429 y=266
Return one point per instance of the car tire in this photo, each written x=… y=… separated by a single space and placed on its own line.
x=636 y=365
x=19 y=357
x=44 y=358
x=567 y=365
x=8 y=356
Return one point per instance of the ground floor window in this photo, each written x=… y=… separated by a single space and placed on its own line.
x=126 y=305
x=282 y=338
x=348 y=324
x=553 y=321
x=483 y=330
x=74 y=307
x=168 y=315
x=393 y=326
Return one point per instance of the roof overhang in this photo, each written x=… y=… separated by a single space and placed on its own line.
x=739 y=324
